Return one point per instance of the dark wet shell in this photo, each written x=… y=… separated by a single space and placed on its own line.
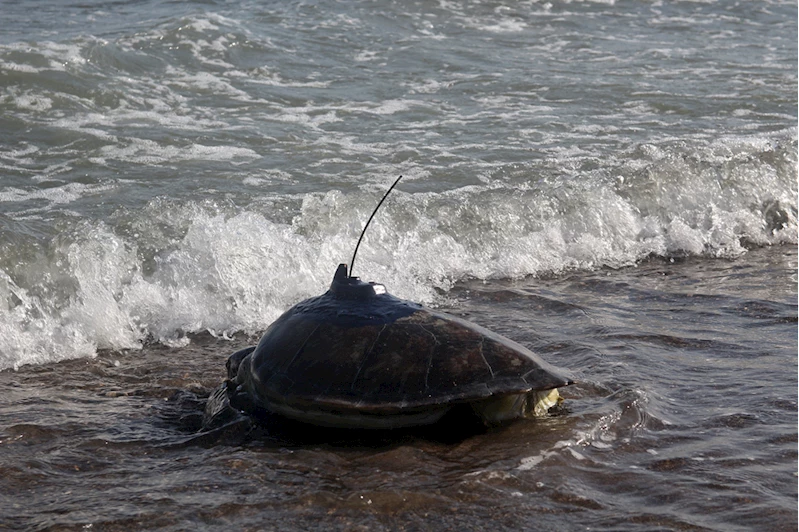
x=386 y=355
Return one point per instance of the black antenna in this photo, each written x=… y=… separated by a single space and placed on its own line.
x=352 y=262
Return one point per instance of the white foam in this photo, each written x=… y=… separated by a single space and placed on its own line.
x=366 y=55
x=193 y=267
x=162 y=115
x=17 y=67
x=29 y=100
x=145 y=151
x=55 y=195
x=263 y=76
x=501 y=25
x=390 y=107
x=308 y=116
x=428 y=86
x=31 y=334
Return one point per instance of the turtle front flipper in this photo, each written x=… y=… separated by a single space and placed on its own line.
x=223 y=405
x=218 y=410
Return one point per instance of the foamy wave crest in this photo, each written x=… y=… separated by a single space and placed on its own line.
x=177 y=267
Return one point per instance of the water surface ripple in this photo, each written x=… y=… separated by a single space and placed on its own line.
x=612 y=183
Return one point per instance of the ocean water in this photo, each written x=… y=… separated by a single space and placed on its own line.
x=610 y=183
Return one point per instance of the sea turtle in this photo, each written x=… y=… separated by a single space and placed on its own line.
x=358 y=357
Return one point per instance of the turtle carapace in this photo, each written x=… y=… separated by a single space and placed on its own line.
x=358 y=357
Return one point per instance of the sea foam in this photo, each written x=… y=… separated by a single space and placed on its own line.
x=182 y=266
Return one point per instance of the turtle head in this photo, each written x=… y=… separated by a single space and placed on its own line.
x=346 y=287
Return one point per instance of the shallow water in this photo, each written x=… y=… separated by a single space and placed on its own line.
x=683 y=418
x=161 y=162
x=611 y=183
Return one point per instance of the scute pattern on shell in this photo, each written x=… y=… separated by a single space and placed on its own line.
x=422 y=359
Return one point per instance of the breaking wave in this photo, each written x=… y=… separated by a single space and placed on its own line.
x=70 y=285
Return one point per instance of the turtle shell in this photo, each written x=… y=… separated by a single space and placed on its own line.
x=358 y=356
